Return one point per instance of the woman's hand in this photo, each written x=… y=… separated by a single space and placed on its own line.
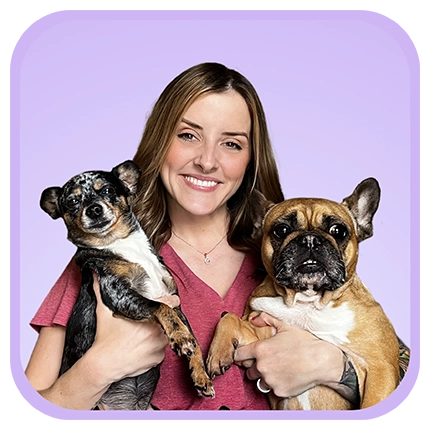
x=122 y=347
x=292 y=361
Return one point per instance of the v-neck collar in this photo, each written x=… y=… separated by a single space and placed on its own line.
x=180 y=264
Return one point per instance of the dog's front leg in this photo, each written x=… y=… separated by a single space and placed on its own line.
x=125 y=301
x=231 y=332
x=183 y=342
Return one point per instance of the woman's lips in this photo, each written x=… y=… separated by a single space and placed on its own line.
x=201 y=183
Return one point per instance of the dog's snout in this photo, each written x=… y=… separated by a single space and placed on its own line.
x=94 y=211
x=310 y=241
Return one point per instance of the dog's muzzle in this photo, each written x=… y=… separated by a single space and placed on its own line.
x=309 y=262
x=95 y=211
x=97 y=217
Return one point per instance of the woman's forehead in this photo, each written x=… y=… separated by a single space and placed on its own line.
x=224 y=109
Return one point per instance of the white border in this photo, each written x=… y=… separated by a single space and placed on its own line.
x=20 y=12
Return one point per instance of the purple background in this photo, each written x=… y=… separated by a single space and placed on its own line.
x=340 y=91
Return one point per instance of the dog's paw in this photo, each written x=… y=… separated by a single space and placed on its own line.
x=183 y=344
x=220 y=360
x=202 y=382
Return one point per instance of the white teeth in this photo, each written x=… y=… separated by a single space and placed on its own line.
x=310 y=262
x=200 y=183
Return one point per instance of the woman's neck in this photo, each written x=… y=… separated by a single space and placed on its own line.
x=188 y=226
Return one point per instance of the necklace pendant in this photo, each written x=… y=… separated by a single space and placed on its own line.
x=207 y=261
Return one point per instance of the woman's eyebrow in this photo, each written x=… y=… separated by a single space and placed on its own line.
x=226 y=133
x=236 y=133
x=192 y=124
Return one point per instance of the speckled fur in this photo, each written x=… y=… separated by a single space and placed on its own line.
x=96 y=210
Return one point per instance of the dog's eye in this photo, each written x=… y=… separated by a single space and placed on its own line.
x=281 y=231
x=338 y=231
x=107 y=191
x=73 y=201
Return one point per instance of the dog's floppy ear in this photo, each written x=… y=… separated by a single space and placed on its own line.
x=259 y=206
x=362 y=204
x=49 y=201
x=128 y=173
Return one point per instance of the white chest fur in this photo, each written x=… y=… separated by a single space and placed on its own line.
x=329 y=323
x=137 y=249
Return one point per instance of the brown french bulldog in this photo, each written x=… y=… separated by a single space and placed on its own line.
x=310 y=252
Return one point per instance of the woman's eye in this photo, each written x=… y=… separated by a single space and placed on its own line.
x=338 y=231
x=186 y=136
x=233 y=145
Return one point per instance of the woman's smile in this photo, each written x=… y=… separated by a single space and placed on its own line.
x=201 y=183
x=209 y=154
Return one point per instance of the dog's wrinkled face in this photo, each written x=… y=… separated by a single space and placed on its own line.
x=308 y=241
x=311 y=245
x=94 y=204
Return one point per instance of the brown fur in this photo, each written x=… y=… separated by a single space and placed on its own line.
x=373 y=345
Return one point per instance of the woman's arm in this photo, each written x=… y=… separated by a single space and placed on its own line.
x=404 y=357
x=284 y=369
x=79 y=388
x=121 y=348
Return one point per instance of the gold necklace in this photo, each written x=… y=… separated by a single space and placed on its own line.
x=205 y=254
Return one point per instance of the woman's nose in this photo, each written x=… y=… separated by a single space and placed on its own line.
x=207 y=158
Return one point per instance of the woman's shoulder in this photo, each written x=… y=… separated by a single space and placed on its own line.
x=58 y=304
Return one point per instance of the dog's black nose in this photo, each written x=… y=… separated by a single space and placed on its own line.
x=310 y=241
x=94 y=211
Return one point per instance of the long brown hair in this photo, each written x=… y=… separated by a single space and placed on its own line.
x=150 y=204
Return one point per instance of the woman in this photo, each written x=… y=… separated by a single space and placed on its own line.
x=204 y=149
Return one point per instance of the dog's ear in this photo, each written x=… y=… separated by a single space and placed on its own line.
x=128 y=173
x=49 y=201
x=362 y=204
x=259 y=206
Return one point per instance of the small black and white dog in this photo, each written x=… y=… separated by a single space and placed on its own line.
x=96 y=210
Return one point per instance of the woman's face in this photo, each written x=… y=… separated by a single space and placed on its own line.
x=208 y=155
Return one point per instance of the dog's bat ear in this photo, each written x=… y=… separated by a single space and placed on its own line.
x=362 y=204
x=259 y=206
x=128 y=173
x=49 y=201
